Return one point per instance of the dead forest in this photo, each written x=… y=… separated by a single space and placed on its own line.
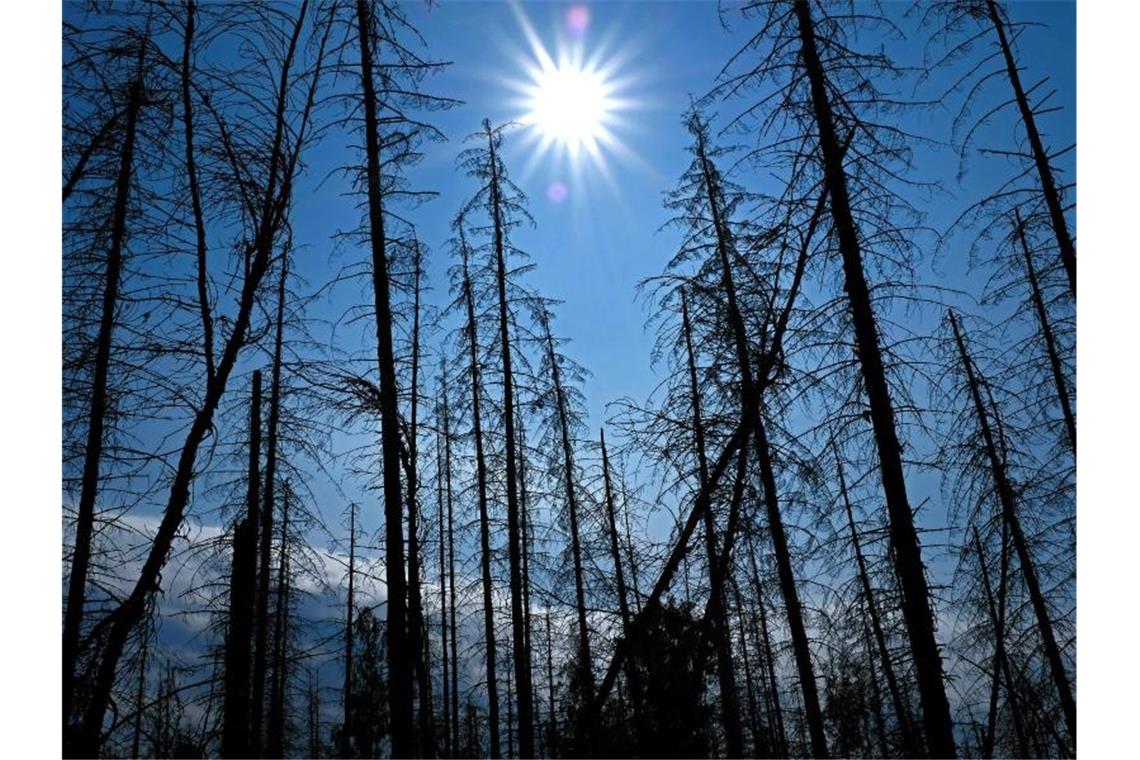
x=320 y=503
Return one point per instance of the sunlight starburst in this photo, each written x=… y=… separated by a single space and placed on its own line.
x=573 y=104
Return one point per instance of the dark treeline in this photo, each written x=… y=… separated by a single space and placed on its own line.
x=738 y=565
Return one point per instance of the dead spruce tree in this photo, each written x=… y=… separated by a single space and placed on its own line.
x=444 y=473
x=735 y=281
x=961 y=27
x=388 y=77
x=563 y=401
x=909 y=743
x=443 y=527
x=503 y=204
x=464 y=281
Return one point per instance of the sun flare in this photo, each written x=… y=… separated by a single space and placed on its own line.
x=575 y=100
x=569 y=105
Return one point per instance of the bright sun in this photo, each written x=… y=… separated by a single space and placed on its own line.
x=569 y=105
x=574 y=101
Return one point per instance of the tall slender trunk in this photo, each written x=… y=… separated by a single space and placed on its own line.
x=768 y=660
x=510 y=717
x=484 y=520
x=1040 y=156
x=725 y=677
x=275 y=739
x=759 y=740
x=876 y=696
x=527 y=538
x=417 y=629
x=399 y=656
x=518 y=636
x=195 y=190
x=349 y=619
x=586 y=723
x=1001 y=667
x=140 y=698
x=786 y=573
x=904 y=537
x=1047 y=337
x=632 y=673
x=97 y=414
x=1007 y=498
x=910 y=746
x=553 y=728
x=314 y=718
x=243 y=574
x=443 y=630
x=451 y=566
x=269 y=505
x=86 y=740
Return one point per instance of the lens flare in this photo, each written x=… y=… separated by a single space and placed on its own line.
x=557 y=192
x=577 y=21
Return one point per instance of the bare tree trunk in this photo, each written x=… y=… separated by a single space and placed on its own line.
x=759 y=740
x=140 y=697
x=904 y=538
x=510 y=718
x=527 y=538
x=1049 y=340
x=725 y=677
x=275 y=740
x=1001 y=658
x=771 y=502
x=1040 y=155
x=443 y=630
x=417 y=629
x=910 y=746
x=1005 y=493
x=349 y=619
x=518 y=623
x=632 y=673
x=97 y=416
x=399 y=656
x=314 y=717
x=550 y=678
x=451 y=568
x=484 y=520
x=877 y=696
x=587 y=722
x=236 y=738
x=768 y=660
x=269 y=505
x=196 y=192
